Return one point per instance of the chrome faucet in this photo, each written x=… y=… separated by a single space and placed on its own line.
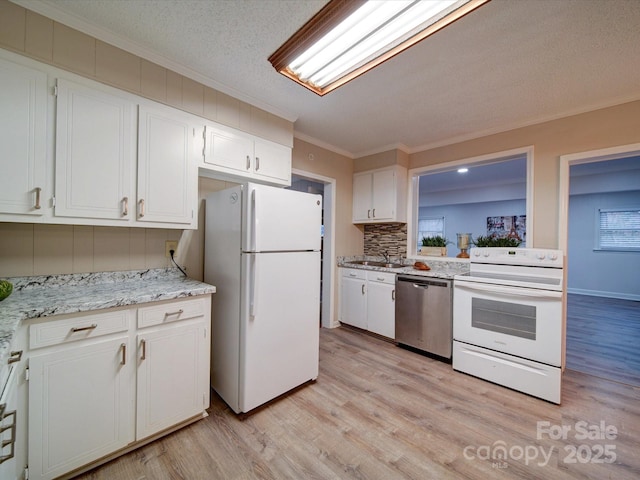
x=387 y=258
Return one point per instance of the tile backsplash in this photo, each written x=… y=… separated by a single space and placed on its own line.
x=389 y=237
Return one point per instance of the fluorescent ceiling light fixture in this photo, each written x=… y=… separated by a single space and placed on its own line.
x=349 y=37
x=463 y=170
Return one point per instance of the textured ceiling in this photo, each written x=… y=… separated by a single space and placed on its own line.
x=508 y=64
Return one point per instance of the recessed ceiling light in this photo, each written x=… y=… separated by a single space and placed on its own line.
x=463 y=170
x=349 y=37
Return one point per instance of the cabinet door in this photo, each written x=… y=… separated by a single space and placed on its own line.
x=362 y=195
x=167 y=180
x=173 y=376
x=23 y=103
x=384 y=195
x=381 y=308
x=80 y=406
x=353 y=303
x=227 y=149
x=273 y=161
x=95 y=153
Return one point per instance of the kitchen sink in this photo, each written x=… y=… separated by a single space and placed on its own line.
x=372 y=263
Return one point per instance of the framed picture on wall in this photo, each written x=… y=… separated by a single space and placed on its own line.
x=512 y=226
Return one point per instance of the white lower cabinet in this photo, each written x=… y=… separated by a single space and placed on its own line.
x=100 y=382
x=353 y=300
x=79 y=406
x=173 y=365
x=367 y=300
x=381 y=303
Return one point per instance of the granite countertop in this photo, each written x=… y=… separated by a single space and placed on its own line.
x=44 y=296
x=441 y=267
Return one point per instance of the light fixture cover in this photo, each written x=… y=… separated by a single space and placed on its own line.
x=346 y=38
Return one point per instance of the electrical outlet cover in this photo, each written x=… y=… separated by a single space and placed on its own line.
x=170 y=245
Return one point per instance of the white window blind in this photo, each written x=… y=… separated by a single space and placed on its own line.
x=430 y=227
x=619 y=229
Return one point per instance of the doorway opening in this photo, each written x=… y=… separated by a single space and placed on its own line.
x=316 y=184
x=600 y=233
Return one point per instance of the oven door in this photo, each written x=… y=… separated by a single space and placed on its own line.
x=525 y=322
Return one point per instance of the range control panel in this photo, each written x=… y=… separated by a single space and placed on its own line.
x=541 y=257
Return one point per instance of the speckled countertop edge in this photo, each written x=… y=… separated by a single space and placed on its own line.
x=47 y=295
x=440 y=267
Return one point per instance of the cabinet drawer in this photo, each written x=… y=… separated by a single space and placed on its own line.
x=65 y=329
x=354 y=273
x=381 y=277
x=173 y=311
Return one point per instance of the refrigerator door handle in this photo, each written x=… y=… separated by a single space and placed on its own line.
x=253 y=286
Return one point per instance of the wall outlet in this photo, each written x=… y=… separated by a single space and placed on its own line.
x=170 y=245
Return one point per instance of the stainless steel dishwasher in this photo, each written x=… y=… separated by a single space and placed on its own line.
x=424 y=314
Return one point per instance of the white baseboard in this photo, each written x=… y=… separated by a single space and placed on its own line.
x=599 y=293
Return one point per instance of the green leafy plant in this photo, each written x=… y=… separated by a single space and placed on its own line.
x=436 y=241
x=489 y=241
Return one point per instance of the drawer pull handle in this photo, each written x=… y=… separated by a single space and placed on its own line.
x=248 y=162
x=15 y=357
x=178 y=312
x=141 y=207
x=12 y=440
x=125 y=206
x=393 y=294
x=123 y=350
x=257 y=163
x=82 y=329
x=363 y=289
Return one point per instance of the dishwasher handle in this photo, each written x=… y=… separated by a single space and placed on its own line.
x=421 y=282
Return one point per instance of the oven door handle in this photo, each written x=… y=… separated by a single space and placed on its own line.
x=517 y=291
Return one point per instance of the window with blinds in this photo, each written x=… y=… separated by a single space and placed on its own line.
x=430 y=227
x=619 y=229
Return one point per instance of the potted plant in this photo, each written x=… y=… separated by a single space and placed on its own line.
x=490 y=241
x=435 y=246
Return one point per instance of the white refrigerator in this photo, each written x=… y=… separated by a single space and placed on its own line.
x=262 y=252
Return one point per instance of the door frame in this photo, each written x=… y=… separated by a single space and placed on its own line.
x=328 y=319
x=590 y=156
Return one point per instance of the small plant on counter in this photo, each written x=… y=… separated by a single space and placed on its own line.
x=489 y=241
x=436 y=241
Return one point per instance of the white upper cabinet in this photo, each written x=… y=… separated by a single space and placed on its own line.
x=121 y=160
x=23 y=123
x=232 y=153
x=95 y=153
x=380 y=196
x=167 y=175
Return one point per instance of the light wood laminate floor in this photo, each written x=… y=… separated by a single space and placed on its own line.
x=378 y=411
x=603 y=337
